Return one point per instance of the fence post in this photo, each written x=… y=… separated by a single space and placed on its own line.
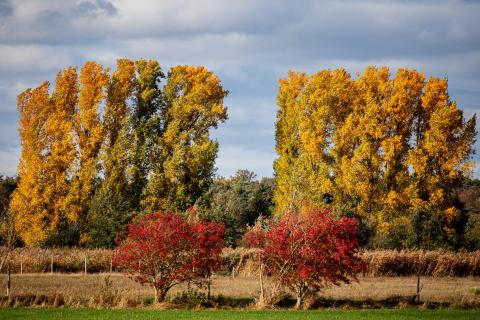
x=111 y=264
x=85 y=264
x=417 y=296
x=21 y=265
x=51 y=264
x=8 y=281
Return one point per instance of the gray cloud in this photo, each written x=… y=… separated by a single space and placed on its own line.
x=6 y=8
x=250 y=44
x=9 y=161
x=95 y=8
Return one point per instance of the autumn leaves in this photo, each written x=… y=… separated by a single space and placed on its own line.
x=381 y=147
x=107 y=144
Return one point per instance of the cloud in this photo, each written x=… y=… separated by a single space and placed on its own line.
x=8 y=139
x=233 y=158
x=34 y=58
x=9 y=161
x=6 y=9
x=94 y=9
x=249 y=43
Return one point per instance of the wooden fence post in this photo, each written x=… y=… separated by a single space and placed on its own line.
x=111 y=264
x=85 y=264
x=417 y=296
x=21 y=265
x=51 y=264
x=8 y=282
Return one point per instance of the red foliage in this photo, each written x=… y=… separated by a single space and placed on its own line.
x=306 y=253
x=254 y=236
x=209 y=245
x=163 y=250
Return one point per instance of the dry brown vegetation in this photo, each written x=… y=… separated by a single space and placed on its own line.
x=432 y=263
x=30 y=260
x=380 y=263
x=241 y=260
x=115 y=290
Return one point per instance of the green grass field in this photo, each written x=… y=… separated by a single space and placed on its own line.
x=85 y=314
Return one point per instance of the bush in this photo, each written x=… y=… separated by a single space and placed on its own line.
x=164 y=250
x=194 y=299
x=191 y=299
x=305 y=253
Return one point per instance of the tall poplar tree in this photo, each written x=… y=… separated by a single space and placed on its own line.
x=111 y=207
x=28 y=203
x=105 y=146
x=145 y=125
x=59 y=163
x=381 y=147
x=89 y=134
x=290 y=177
x=185 y=154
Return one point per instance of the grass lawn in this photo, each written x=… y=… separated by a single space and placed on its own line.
x=85 y=314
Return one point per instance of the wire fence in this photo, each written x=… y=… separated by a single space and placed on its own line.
x=245 y=261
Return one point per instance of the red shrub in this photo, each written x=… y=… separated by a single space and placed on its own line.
x=163 y=250
x=209 y=244
x=306 y=253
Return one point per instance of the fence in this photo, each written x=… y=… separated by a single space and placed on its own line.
x=35 y=260
x=242 y=261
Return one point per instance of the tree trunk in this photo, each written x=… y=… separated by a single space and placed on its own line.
x=301 y=291
x=156 y=294
x=4 y=259
x=261 y=301
x=262 y=290
x=209 y=284
x=298 y=304
x=160 y=293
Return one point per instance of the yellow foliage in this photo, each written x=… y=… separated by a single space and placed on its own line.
x=89 y=136
x=382 y=146
x=27 y=202
x=288 y=141
x=149 y=139
x=452 y=214
x=194 y=104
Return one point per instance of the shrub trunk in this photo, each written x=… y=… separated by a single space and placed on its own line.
x=160 y=294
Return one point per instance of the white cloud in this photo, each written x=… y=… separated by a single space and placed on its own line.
x=9 y=161
x=232 y=158
x=34 y=58
x=250 y=44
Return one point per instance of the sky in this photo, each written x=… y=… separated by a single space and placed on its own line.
x=249 y=44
